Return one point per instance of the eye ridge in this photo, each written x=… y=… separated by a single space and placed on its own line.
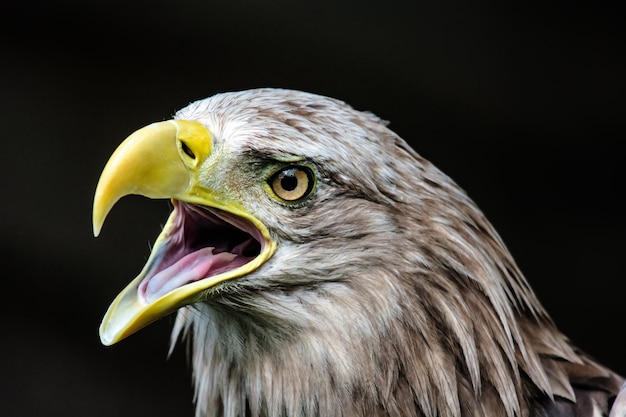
x=292 y=183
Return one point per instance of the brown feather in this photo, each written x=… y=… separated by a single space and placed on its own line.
x=390 y=293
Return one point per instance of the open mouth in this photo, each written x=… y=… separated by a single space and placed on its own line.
x=209 y=238
x=199 y=242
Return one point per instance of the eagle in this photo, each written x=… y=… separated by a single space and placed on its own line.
x=319 y=266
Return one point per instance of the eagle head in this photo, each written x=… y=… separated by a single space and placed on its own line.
x=320 y=267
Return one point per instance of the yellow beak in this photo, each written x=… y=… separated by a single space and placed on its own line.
x=162 y=160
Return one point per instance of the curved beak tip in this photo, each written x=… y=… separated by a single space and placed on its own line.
x=98 y=217
x=150 y=163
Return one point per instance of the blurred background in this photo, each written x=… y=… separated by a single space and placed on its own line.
x=523 y=105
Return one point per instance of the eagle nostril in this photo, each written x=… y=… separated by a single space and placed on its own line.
x=187 y=150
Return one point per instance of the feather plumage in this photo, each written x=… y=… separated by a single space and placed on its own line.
x=390 y=293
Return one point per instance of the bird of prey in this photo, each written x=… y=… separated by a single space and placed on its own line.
x=319 y=266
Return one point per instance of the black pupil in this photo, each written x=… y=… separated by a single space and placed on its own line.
x=289 y=182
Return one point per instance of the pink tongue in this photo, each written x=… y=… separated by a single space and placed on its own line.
x=190 y=268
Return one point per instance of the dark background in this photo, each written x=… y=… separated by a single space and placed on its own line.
x=523 y=105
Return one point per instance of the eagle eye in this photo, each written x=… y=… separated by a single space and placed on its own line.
x=292 y=183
